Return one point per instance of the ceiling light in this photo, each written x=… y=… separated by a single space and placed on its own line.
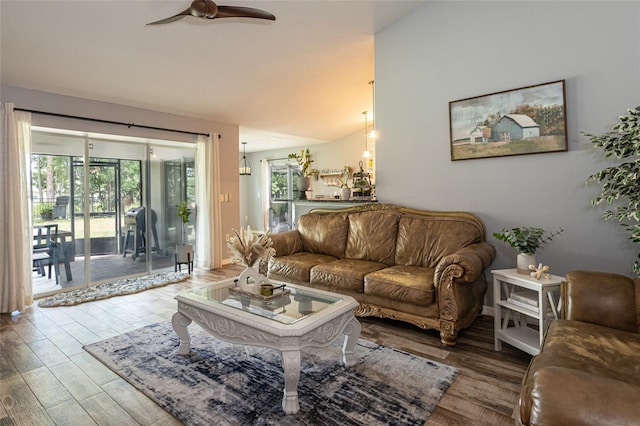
x=245 y=167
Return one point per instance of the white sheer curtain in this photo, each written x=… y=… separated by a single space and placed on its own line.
x=209 y=221
x=16 y=289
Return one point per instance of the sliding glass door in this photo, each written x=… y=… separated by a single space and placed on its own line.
x=52 y=203
x=115 y=181
x=115 y=202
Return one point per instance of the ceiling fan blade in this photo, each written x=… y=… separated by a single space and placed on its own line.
x=174 y=18
x=242 y=12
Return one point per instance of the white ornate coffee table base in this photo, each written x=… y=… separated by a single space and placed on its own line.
x=234 y=326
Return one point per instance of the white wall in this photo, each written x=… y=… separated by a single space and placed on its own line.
x=446 y=51
x=50 y=102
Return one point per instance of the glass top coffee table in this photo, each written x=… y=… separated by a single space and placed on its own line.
x=301 y=318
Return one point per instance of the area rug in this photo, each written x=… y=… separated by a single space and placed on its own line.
x=115 y=288
x=224 y=384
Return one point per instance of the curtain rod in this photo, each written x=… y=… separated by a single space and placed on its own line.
x=119 y=123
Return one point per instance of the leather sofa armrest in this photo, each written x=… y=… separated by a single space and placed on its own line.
x=599 y=298
x=459 y=282
x=287 y=243
x=565 y=396
x=466 y=264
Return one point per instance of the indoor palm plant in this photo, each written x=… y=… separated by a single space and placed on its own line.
x=526 y=241
x=621 y=182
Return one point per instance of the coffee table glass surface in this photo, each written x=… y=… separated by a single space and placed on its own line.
x=290 y=308
x=296 y=318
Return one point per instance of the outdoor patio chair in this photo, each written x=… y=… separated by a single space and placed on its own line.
x=46 y=249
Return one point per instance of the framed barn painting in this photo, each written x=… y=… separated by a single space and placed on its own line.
x=528 y=120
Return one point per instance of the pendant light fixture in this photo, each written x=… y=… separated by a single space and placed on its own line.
x=366 y=153
x=245 y=167
x=372 y=135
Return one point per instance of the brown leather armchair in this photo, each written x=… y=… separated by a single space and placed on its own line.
x=588 y=369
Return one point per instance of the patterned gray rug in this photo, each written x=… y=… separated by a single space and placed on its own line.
x=224 y=384
x=115 y=288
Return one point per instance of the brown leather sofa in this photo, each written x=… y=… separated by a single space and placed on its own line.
x=588 y=369
x=425 y=268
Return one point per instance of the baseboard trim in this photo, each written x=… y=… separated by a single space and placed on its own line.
x=488 y=310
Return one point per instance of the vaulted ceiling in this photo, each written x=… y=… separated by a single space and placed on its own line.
x=300 y=79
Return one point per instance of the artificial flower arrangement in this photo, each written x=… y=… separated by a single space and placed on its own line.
x=248 y=247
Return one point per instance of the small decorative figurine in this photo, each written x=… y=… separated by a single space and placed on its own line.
x=540 y=271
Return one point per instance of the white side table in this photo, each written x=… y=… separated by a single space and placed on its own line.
x=518 y=297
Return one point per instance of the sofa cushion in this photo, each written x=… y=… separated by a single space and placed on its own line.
x=592 y=348
x=565 y=396
x=324 y=234
x=408 y=284
x=585 y=374
x=296 y=267
x=286 y=243
x=343 y=274
x=372 y=236
x=425 y=240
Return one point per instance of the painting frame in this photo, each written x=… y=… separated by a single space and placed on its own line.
x=526 y=120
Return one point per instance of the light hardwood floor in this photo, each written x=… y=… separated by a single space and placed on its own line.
x=47 y=378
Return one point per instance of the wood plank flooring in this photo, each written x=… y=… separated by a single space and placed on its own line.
x=46 y=378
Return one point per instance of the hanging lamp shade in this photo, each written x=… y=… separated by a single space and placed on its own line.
x=245 y=166
x=366 y=153
x=373 y=135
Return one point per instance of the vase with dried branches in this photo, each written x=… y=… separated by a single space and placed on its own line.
x=251 y=249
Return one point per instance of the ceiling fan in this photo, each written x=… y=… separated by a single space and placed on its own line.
x=209 y=10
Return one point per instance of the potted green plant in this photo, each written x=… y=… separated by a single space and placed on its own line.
x=184 y=251
x=46 y=213
x=621 y=182
x=184 y=212
x=304 y=161
x=526 y=241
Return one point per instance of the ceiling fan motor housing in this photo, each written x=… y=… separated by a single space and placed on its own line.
x=204 y=9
